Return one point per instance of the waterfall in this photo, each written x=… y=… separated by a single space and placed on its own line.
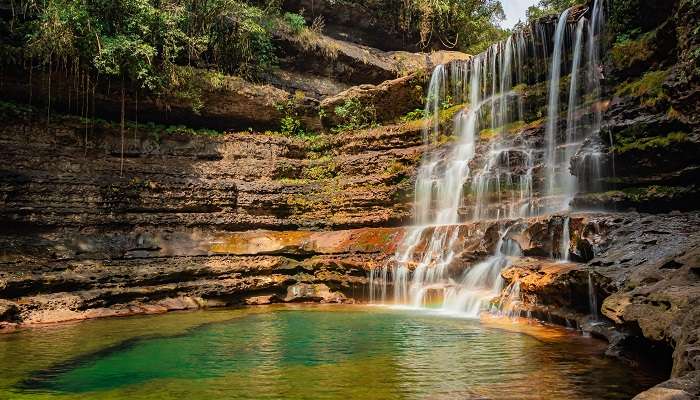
x=493 y=170
x=590 y=166
x=552 y=130
x=572 y=140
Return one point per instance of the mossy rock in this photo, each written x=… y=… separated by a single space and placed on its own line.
x=649 y=89
x=626 y=144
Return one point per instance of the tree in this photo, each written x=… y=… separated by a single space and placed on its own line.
x=547 y=7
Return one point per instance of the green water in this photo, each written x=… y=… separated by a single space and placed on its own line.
x=308 y=353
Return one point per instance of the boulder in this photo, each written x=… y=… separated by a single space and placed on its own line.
x=9 y=311
x=313 y=292
x=386 y=101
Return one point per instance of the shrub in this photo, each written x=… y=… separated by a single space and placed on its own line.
x=354 y=115
x=295 y=22
x=414 y=115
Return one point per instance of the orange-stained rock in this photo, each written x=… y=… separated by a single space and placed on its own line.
x=364 y=240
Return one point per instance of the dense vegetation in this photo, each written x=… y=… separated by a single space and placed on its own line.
x=548 y=7
x=146 y=42
x=467 y=25
x=142 y=41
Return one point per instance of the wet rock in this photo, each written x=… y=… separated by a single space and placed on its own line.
x=9 y=311
x=650 y=264
x=237 y=181
x=663 y=394
x=547 y=283
x=313 y=292
x=260 y=300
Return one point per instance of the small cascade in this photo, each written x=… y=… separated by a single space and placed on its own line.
x=565 y=242
x=482 y=282
x=592 y=300
x=511 y=300
x=497 y=167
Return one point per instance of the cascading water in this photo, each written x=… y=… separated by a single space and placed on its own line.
x=592 y=300
x=512 y=300
x=482 y=282
x=565 y=241
x=492 y=170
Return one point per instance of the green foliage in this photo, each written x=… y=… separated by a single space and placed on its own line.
x=465 y=25
x=549 y=7
x=354 y=115
x=143 y=41
x=414 y=115
x=295 y=22
x=290 y=124
x=10 y=110
x=627 y=52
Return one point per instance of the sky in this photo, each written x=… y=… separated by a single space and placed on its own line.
x=515 y=10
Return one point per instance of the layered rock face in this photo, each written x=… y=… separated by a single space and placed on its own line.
x=77 y=236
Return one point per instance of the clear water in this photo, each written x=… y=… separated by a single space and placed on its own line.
x=308 y=352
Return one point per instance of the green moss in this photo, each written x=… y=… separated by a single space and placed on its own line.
x=649 y=88
x=321 y=168
x=293 y=181
x=488 y=133
x=520 y=89
x=643 y=194
x=626 y=144
x=626 y=53
x=511 y=128
x=447 y=114
x=395 y=167
x=316 y=143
